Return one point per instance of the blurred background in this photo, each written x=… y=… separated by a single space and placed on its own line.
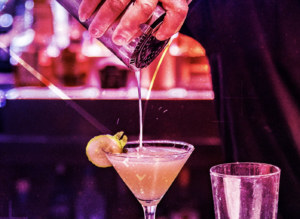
x=59 y=88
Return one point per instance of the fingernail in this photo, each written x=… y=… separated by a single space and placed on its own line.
x=160 y=37
x=95 y=32
x=83 y=17
x=119 y=39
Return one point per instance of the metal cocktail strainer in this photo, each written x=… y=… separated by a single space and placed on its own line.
x=142 y=50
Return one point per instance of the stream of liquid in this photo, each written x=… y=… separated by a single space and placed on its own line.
x=138 y=78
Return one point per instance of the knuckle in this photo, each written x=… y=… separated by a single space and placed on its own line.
x=117 y=5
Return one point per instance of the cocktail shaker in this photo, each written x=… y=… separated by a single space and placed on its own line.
x=138 y=53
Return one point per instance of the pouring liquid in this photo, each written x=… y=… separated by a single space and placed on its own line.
x=138 y=78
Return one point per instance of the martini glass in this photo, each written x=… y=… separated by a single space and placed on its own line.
x=149 y=170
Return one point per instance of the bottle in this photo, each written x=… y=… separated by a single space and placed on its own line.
x=192 y=67
x=35 y=53
x=12 y=24
x=73 y=66
x=141 y=51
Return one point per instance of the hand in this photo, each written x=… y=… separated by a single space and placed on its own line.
x=138 y=13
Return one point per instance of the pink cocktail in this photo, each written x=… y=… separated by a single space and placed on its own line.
x=149 y=170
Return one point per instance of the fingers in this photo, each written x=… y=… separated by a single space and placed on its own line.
x=107 y=14
x=135 y=15
x=86 y=9
x=176 y=13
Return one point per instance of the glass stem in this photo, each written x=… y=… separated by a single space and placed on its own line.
x=149 y=212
